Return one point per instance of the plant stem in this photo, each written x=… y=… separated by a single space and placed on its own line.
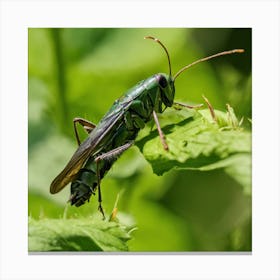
x=60 y=77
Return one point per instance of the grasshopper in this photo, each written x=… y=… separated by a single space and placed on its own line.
x=117 y=131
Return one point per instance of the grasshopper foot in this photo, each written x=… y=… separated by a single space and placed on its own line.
x=101 y=210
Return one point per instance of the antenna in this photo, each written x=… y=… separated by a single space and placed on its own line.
x=207 y=58
x=158 y=41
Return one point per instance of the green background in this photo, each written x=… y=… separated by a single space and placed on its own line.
x=80 y=72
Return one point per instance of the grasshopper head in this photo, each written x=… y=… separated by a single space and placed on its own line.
x=167 y=89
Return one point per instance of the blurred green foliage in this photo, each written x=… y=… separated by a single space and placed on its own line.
x=80 y=72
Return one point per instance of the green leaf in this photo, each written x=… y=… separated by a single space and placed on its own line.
x=76 y=235
x=197 y=142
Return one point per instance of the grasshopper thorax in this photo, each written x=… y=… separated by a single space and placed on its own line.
x=167 y=88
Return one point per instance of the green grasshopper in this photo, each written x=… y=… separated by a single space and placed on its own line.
x=117 y=130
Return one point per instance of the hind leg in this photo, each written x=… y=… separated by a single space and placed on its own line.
x=87 y=125
x=108 y=156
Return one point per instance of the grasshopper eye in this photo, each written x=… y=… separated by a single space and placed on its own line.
x=162 y=82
